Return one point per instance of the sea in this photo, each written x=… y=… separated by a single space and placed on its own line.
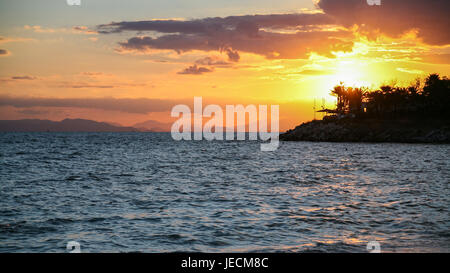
x=145 y=192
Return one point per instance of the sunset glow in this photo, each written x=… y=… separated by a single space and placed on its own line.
x=287 y=58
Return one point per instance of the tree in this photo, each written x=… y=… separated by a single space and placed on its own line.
x=394 y=101
x=339 y=92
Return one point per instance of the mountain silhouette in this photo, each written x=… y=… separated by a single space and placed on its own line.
x=67 y=125
x=153 y=126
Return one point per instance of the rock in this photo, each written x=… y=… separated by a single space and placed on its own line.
x=355 y=130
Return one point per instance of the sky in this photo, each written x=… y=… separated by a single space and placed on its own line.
x=131 y=61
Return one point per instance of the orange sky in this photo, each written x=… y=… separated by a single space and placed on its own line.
x=290 y=59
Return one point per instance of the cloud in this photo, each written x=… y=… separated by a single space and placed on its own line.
x=314 y=72
x=92 y=74
x=4 y=40
x=212 y=61
x=330 y=29
x=83 y=30
x=23 y=78
x=4 y=52
x=233 y=55
x=97 y=83
x=83 y=80
x=84 y=85
x=274 y=36
x=195 y=70
x=74 y=30
x=32 y=112
x=394 y=17
x=435 y=58
x=14 y=39
x=270 y=45
x=39 y=29
x=18 y=78
x=136 y=106
x=248 y=24
x=410 y=71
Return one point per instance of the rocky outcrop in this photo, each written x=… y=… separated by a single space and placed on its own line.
x=371 y=130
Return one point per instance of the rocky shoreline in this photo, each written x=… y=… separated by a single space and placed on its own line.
x=371 y=130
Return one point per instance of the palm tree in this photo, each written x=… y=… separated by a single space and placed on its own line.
x=339 y=92
x=355 y=97
x=433 y=99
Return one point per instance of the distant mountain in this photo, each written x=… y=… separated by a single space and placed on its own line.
x=153 y=126
x=115 y=124
x=67 y=125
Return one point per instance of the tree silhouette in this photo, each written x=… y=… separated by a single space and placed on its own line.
x=392 y=101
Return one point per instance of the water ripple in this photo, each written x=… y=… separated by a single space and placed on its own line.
x=143 y=192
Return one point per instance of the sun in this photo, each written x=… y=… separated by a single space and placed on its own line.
x=349 y=72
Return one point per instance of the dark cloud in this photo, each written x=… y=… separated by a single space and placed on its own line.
x=195 y=70
x=79 y=86
x=291 y=36
x=233 y=55
x=268 y=44
x=4 y=52
x=212 y=61
x=248 y=24
x=137 y=106
x=395 y=17
x=17 y=78
x=265 y=35
x=23 y=78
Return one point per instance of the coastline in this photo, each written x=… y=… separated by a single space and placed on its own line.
x=372 y=130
